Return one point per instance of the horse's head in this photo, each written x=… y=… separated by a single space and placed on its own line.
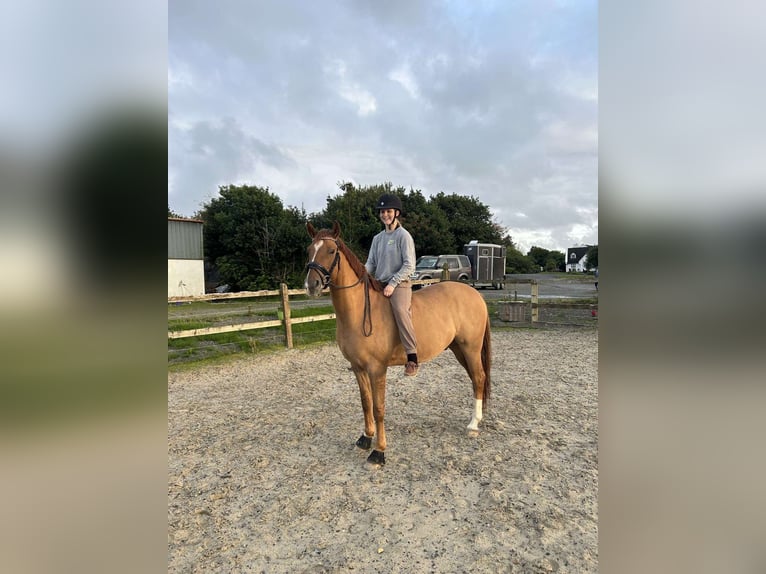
x=323 y=257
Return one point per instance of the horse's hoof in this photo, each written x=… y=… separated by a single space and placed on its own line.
x=377 y=457
x=364 y=442
x=473 y=433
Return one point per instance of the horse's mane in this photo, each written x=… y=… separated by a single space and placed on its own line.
x=356 y=265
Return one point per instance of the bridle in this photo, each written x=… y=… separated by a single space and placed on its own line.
x=325 y=274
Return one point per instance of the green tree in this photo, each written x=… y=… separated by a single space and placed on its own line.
x=354 y=209
x=538 y=256
x=555 y=261
x=252 y=240
x=516 y=261
x=591 y=261
x=441 y=224
x=172 y=213
x=428 y=225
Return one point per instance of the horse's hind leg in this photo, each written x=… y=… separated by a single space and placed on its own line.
x=475 y=371
x=365 y=392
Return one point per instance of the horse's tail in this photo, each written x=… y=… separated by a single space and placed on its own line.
x=486 y=363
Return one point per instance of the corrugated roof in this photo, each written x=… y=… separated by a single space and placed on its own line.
x=185 y=219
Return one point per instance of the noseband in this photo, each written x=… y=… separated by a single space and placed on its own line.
x=325 y=273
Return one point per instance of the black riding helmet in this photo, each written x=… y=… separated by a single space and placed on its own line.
x=389 y=201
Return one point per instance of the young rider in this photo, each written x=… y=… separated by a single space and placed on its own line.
x=391 y=260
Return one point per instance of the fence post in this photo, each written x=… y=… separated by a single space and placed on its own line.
x=445 y=272
x=286 y=313
x=535 y=309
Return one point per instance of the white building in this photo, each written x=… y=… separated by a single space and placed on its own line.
x=577 y=259
x=186 y=267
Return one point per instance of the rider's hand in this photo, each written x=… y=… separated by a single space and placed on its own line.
x=388 y=290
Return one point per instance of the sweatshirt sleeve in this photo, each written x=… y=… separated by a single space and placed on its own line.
x=407 y=247
x=371 y=263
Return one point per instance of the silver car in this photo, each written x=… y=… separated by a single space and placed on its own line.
x=431 y=266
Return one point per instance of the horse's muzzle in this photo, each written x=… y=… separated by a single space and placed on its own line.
x=317 y=281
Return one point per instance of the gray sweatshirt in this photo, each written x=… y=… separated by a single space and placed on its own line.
x=392 y=256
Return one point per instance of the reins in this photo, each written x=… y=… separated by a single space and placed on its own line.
x=367 y=316
x=327 y=282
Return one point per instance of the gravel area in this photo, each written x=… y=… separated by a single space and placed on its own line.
x=263 y=474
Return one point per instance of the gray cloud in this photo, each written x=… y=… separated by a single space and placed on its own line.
x=499 y=102
x=212 y=154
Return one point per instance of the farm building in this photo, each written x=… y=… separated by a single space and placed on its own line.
x=186 y=269
x=577 y=258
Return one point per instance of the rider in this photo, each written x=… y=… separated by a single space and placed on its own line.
x=391 y=260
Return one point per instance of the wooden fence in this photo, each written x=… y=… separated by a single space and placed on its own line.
x=535 y=304
x=286 y=321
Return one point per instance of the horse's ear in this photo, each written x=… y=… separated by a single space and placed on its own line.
x=310 y=229
x=336 y=230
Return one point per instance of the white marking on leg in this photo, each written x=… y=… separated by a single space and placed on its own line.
x=477 y=415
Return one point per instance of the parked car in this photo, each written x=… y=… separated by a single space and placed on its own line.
x=430 y=267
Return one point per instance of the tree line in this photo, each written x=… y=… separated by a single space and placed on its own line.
x=252 y=241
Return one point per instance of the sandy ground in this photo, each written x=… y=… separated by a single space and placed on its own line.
x=264 y=476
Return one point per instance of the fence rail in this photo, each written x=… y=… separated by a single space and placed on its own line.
x=286 y=321
x=237 y=295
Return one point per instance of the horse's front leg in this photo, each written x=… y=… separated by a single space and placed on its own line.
x=365 y=392
x=377 y=456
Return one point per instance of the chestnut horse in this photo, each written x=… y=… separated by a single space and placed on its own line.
x=445 y=315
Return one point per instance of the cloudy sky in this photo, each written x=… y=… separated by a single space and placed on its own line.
x=493 y=99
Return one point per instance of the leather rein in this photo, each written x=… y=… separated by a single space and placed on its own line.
x=327 y=282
